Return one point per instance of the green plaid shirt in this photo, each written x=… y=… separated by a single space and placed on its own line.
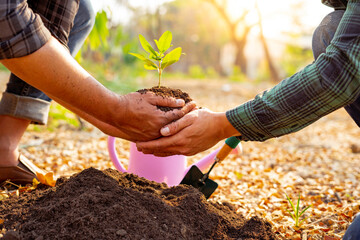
x=337 y=4
x=331 y=82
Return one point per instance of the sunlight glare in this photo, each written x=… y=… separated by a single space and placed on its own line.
x=278 y=15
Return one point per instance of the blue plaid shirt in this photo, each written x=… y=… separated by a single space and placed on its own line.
x=331 y=82
x=26 y=25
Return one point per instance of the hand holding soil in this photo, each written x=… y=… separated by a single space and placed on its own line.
x=194 y=133
x=142 y=117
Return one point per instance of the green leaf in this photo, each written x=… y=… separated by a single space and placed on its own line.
x=302 y=221
x=164 y=41
x=298 y=206
x=99 y=34
x=152 y=56
x=293 y=217
x=171 y=57
x=101 y=25
x=292 y=205
x=302 y=212
x=93 y=39
x=146 y=45
x=139 y=56
x=78 y=56
x=149 y=65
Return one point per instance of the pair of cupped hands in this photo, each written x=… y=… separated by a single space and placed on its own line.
x=185 y=130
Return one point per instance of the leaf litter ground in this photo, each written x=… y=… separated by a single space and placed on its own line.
x=319 y=162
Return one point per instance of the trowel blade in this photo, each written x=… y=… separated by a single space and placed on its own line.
x=193 y=178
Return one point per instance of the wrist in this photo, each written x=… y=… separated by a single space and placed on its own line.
x=226 y=129
x=119 y=110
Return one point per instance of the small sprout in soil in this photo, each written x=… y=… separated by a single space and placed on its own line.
x=158 y=60
x=296 y=211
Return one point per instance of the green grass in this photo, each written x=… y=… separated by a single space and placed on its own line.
x=296 y=214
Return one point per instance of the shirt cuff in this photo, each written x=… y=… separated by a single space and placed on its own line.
x=34 y=109
x=244 y=119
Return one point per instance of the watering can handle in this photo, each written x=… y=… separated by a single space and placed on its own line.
x=229 y=145
x=113 y=155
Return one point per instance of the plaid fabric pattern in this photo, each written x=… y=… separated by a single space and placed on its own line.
x=27 y=25
x=331 y=82
x=337 y=4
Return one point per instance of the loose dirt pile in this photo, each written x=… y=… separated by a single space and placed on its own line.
x=96 y=204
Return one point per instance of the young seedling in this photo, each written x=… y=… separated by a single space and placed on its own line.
x=297 y=214
x=158 y=60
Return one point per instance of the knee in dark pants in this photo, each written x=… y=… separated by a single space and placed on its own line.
x=85 y=9
x=353 y=232
x=83 y=23
x=325 y=32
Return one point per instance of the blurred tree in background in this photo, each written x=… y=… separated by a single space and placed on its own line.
x=203 y=38
x=295 y=58
x=296 y=54
x=238 y=30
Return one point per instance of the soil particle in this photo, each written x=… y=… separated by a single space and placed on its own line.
x=96 y=204
x=167 y=92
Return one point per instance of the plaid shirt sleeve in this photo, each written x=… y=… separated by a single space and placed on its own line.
x=26 y=25
x=22 y=31
x=337 y=4
x=331 y=82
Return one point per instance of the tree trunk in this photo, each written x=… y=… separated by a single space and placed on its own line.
x=272 y=69
x=274 y=75
x=240 y=59
x=238 y=41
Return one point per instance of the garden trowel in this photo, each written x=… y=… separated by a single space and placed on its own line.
x=194 y=177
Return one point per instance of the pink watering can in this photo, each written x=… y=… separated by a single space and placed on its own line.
x=170 y=170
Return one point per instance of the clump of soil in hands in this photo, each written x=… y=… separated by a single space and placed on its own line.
x=167 y=92
x=96 y=204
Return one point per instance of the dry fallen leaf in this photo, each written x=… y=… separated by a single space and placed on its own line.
x=2 y=221
x=47 y=179
x=35 y=182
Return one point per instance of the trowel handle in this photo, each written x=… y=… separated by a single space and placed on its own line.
x=229 y=145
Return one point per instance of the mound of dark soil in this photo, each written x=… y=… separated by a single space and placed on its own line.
x=167 y=92
x=107 y=204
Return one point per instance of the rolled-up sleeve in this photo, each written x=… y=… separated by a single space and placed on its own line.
x=331 y=82
x=22 y=32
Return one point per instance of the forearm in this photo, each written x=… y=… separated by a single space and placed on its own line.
x=222 y=127
x=52 y=70
x=104 y=127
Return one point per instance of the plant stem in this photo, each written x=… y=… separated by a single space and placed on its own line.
x=159 y=78
x=160 y=72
